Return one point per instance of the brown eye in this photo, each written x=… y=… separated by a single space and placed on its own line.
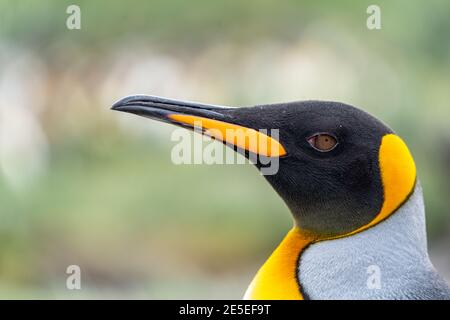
x=322 y=142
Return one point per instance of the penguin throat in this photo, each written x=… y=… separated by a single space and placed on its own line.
x=278 y=279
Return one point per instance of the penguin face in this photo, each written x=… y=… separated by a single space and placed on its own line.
x=330 y=177
x=340 y=169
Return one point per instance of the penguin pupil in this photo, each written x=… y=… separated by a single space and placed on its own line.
x=322 y=142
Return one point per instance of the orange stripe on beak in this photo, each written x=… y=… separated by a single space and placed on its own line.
x=239 y=136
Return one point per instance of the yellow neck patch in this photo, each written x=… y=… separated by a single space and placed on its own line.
x=277 y=278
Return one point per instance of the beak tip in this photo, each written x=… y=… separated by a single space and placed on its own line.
x=117 y=105
x=126 y=104
x=124 y=108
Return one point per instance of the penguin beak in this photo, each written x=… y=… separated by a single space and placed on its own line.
x=215 y=121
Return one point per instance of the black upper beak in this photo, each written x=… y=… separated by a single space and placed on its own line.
x=159 y=108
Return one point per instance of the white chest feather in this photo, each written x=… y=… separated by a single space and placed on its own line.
x=387 y=261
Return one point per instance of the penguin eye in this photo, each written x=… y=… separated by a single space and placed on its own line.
x=322 y=142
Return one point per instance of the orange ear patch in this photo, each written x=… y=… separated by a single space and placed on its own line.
x=398 y=176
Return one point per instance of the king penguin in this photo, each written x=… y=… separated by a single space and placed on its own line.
x=350 y=183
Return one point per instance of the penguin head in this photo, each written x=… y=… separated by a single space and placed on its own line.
x=340 y=169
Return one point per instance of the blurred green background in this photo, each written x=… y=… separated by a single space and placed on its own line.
x=82 y=185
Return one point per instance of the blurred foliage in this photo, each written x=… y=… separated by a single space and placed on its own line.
x=105 y=195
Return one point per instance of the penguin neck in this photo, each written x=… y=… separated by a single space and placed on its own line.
x=387 y=259
x=304 y=267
